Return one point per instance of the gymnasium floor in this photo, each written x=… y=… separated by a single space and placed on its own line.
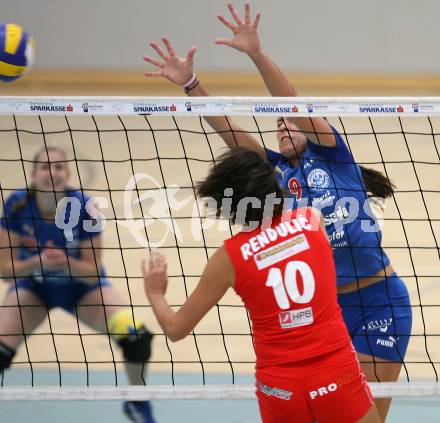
x=122 y=263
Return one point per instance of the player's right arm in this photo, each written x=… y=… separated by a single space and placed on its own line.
x=11 y=240
x=246 y=40
x=217 y=278
x=179 y=71
x=10 y=265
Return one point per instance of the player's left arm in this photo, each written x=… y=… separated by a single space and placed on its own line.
x=245 y=39
x=216 y=279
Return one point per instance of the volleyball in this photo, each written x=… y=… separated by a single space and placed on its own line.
x=16 y=52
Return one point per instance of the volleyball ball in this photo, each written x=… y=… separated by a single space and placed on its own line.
x=16 y=51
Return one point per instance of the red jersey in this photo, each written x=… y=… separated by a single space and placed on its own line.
x=286 y=277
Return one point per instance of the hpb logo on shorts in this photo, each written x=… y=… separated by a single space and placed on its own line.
x=318 y=179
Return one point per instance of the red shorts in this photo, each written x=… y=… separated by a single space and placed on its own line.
x=329 y=389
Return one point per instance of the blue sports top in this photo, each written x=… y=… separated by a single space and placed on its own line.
x=21 y=215
x=329 y=179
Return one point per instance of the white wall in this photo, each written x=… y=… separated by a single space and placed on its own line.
x=337 y=35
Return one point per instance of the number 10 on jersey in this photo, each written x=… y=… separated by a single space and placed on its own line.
x=287 y=287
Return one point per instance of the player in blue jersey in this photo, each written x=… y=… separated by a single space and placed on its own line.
x=46 y=266
x=318 y=169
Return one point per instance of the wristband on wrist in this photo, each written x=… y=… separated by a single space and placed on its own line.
x=190 y=82
x=191 y=87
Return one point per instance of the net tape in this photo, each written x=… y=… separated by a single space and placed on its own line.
x=191 y=392
x=205 y=106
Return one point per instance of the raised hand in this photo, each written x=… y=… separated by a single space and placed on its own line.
x=176 y=69
x=245 y=37
x=155 y=274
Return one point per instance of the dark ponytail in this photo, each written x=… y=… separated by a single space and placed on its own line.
x=249 y=176
x=377 y=184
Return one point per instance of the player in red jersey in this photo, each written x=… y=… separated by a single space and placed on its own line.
x=282 y=268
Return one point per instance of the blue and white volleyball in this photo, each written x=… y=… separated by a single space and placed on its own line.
x=16 y=52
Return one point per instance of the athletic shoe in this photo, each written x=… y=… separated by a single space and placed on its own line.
x=139 y=411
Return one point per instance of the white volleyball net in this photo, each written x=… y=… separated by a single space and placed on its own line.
x=141 y=157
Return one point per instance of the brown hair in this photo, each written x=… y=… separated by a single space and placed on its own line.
x=377 y=184
x=31 y=189
x=249 y=176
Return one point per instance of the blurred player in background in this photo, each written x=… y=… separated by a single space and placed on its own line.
x=306 y=368
x=45 y=269
x=316 y=166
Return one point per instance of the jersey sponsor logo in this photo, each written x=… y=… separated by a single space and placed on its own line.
x=341 y=244
x=295 y=189
x=295 y=318
x=324 y=390
x=308 y=164
x=281 y=251
x=318 y=179
x=381 y=324
x=265 y=237
x=390 y=342
x=325 y=200
x=336 y=236
x=340 y=213
x=275 y=392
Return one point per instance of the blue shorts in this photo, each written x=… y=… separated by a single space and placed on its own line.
x=379 y=318
x=64 y=294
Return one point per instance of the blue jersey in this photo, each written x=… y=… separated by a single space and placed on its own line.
x=329 y=179
x=21 y=215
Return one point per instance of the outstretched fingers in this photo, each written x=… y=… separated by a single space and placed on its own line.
x=225 y=22
x=153 y=61
x=247 y=14
x=157 y=261
x=257 y=20
x=169 y=47
x=234 y=14
x=158 y=50
x=190 y=54
x=153 y=73
x=224 y=42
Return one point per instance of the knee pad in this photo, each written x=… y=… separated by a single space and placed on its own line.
x=6 y=356
x=131 y=335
